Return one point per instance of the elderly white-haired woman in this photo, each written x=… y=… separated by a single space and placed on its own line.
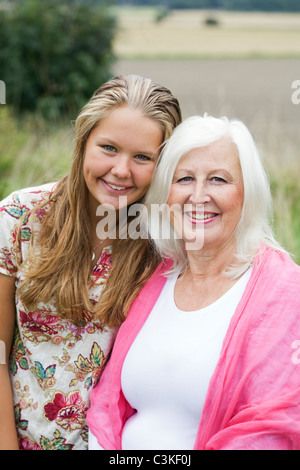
x=209 y=355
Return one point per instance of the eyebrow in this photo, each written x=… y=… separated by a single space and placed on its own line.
x=209 y=172
x=214 y=170
x=113 y=143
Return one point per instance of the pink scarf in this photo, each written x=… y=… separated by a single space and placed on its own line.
x=253 y=400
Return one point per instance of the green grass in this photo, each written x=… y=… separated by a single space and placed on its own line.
x=285 y=190
x=32 y=152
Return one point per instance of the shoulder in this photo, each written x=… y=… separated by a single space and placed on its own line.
x=151 y=290
x=143 y=303
x=33 y=193
x=275 y=288
x=23 y=200
x=278 y=268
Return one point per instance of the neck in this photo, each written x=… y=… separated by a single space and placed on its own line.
x=210 y=263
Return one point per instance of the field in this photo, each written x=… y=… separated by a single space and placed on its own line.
x=184 y=34
x=242 y=68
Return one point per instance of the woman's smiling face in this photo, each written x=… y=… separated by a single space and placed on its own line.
x=208 y=187
x=120 y=157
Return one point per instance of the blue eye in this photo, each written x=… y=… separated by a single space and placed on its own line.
x=185 y=179
x=142 y=158
x=110 y=148
x=218 y=179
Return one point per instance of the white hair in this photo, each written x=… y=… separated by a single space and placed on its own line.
x=254 y=228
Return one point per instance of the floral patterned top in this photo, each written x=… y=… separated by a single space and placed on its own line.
x=54 y=363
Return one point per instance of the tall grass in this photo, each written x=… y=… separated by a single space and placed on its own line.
x=34 y=153
x=285 y=190
x=281 y=154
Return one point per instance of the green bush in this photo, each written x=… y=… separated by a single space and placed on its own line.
x=161 y=14
x=54 y=54
x=211 y=21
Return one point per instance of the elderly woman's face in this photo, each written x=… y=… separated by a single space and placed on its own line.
x=208 y=188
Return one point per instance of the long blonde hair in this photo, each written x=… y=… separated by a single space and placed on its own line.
x=61 y=266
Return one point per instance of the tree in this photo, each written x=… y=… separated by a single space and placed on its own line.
x=54 y=54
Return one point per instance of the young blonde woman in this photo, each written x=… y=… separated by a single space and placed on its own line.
x=53 y=266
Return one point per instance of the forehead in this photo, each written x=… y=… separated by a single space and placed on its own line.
x=127 y=124
x=221 y=154
x=122 y=116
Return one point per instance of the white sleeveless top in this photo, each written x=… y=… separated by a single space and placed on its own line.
x=167 y=370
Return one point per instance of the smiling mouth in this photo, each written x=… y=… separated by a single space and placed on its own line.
x=201 y=216
x=116 y=187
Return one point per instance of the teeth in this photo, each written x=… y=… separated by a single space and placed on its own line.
x=197 y=216
x=119 y=188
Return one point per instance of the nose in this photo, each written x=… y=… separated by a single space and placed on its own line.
x=199 y=194
x=121 y=168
